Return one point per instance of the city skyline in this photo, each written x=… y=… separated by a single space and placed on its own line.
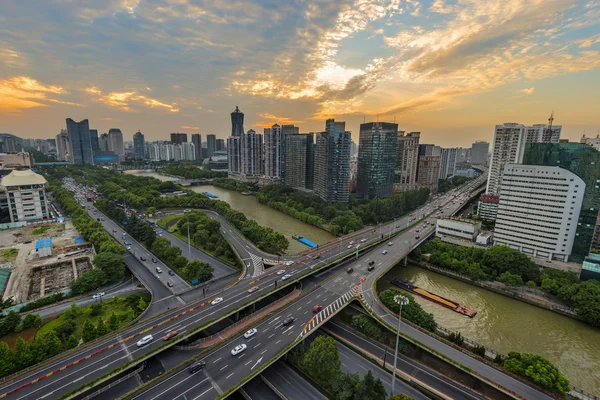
x=450 y=71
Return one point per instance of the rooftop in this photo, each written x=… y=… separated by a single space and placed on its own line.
x=26 y=177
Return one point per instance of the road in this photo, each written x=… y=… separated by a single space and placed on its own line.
x=256 y=389
x=121 y=352
x=289 y=383
x=408 y=365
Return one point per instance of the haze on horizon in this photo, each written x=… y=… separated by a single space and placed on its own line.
x=450 y=69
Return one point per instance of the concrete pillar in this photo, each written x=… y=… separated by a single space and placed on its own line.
x=43 y=282
x=405 y=261
x=74 y=269
x=237 y=316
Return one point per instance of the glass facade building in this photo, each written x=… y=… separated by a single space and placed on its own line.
x=237 y=123
x=378 y=143
x=139 y=150
x=80 y=142
x=584 y=161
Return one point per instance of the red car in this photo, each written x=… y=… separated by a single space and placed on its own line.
x=170 y=335
x=317 y=308
x=252 y=290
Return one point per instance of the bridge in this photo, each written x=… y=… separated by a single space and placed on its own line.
x=91 y=361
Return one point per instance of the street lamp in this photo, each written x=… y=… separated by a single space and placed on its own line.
x=401 y=301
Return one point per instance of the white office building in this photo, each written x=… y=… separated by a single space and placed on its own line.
x=509 y=147
x=26 y=195
x=543 y=133
x=457 y=228
x=538 y=210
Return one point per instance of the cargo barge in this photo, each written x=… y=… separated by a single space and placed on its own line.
x=454 y=306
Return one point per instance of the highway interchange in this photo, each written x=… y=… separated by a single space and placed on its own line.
x=224 y=371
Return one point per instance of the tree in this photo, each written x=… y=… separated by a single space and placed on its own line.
x=510 y=279
x=112 y=264
x=113 y=322
x=142 y=305
x=322 y=359
x=32 y=320
x=96 y=309
x=10 y=323
x=89 y=331
x=7 y=365
x=65 y=329
x=344 y=386
x=370 y=388
x=22 y=354
x=197 y=269
x=530 y=284
x=401 y=396
x=71 y=343
x=539 y=370
x=412 y=311
x=72 y=312
x=499 y=259
x=89 y=281
x=101 y=328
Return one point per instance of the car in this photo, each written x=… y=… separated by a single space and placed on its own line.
x=145 y=340
x=417 y=237
x=350 y=270
x=238 y=349
x=216 y=301
x=317 y=308
x=390 y=243
x=102 y=219
x=281 y=271
x=128 y=244
x=114 y=231
x=98 y=295
x=370 y=268
x=197 y=366
x=171 y=273
x=171 y=334
x=142 y=258
x=288 y=321
x=154 y=260
x=286 y=276
x=98 y=219
x=159 y=270
x=351 y=242
x=253 y=289
x=288 y=263
x=170 y=284
x=371 y=262
x=349 y=246
x=128 y=247
x=418 y=230
x=363 y=240
x=317 y=256
x=384 y=252
x=250 y=332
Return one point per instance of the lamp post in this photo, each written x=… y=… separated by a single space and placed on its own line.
x=401 y=301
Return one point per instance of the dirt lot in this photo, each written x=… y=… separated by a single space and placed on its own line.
x=32 y=276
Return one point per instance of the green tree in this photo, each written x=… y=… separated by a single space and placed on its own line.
x=9 y=323
x=322 y=360
x=32 y=320
x=89 y=281
x=412 y=311
x=72 y=312
x=499 y=259
x=22 y=354
x=112 y=264
x=142 y=305
x=65 y=329
x=7 y=365
x=197 y=269
x=401 y=396
x=370 y=388
x=101 y=328
x=530 y=284
x=96 y=309
x=539 y=370
x=113 y=322
x=71 y=342
x=510 y=279
x=89 y=331
x=345 y=385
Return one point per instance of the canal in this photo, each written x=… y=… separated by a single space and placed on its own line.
x=504 y=324
x=261 y=213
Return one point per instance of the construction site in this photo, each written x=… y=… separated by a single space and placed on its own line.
x=42 y=260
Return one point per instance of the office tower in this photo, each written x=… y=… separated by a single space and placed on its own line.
x=539 y=209
x=234 y=155
x=197 y=141
x=95 y=142
x=583 y=161
x=273 y=145
x=332 y=163
x=252 y=154
x=286 y=130
x=509 y=145
x=430 y=150
x=62 y=145
x=211 y=145
x=138 y=146
x=378 y=143
x=300 y=161
x=448 y=163
x=80 y=142
x=220 y=144
x=428 y=172
x=178 y=138
x=26 y=196
x=479 y=153
x=407 y=159
x=103 y=142
x=237 y=123
x=115 y=141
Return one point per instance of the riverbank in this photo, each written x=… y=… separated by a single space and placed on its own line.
x=544 y=301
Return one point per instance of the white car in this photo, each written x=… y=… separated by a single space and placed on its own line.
x=349 y=246
x=216 y=301
x=363 y=240
x=250 y=333
x=281 y=271
x=287 y=276
x=238 y=349
x=145 y=340
x=128 y=247
x=98 y=295
x=351 y=242
x=288 y=263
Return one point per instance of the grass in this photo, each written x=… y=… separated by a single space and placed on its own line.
x=168 y=218
x=42 y=229
x=118 y=305
x=10 y=254
x=234 y=263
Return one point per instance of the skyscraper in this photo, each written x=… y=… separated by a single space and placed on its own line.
x=448 y=163
x=234 y=155
x=252 y=154
x=80 y=142
x=273 y=145
x=95 y=142
x=299 y=161
x=428 y=172
x=220 y=144
x=377 y=148
x=332 y=163
x=115 y=141
x=62 y=145
x=178 y=138
x=479 y=153
x=197 y=141
x=407 y=158
x=211 y=145
x=509 y=145
x=138 y=146
x=103 y=142
x=237 y=123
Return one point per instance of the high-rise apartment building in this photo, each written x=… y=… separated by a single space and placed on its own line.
x=103 y=142
x=62 y=145
x=80 y=142
x=479 y=153
x=583 y=161
x=543 y=133
x=139 y=150
x=178 y=138
x=332 y=163
x=300 y=161
x=237 y=123
x=197 y=141
x=407 y=159
x=377 y=148
x=211 y=145
x=509 y=145
x=448 y=163
x=252 y=154
x=286 y=130
x=539 y=210
x=428 y=172
x=115 y=141
x=220 y=144
x=234 y=155
x=273 y=145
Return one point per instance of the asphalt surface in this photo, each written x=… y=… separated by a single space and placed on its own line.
x=409 y=366
x=256 y=389
x=289 y=383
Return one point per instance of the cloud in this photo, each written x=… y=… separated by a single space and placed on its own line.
x=189 y=128
x=22 y=92
x=270 y=120
x=124 y=100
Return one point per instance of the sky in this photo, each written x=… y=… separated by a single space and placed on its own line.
x=451 y=69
